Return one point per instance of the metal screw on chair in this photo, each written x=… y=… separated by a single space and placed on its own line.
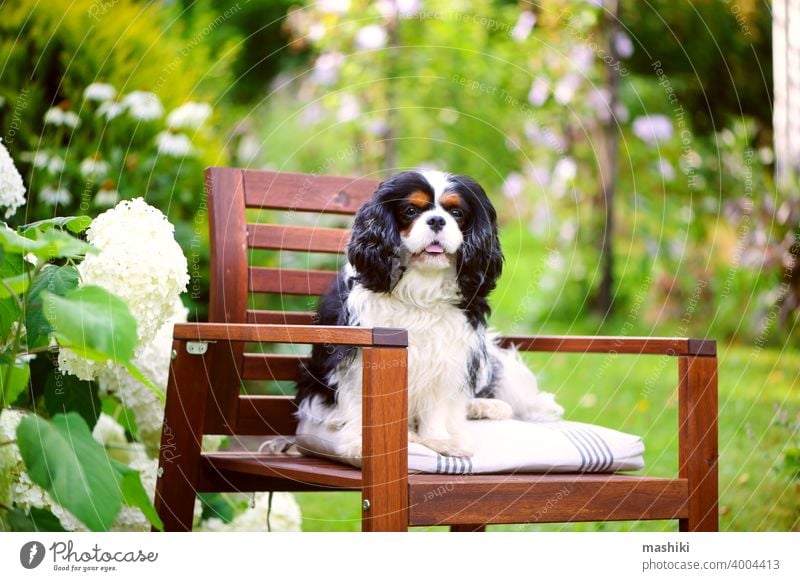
x=365 y=505
x=174 y=355
x=160 y=472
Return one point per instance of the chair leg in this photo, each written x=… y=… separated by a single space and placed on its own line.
x=467 y=528
x=698 y=411
x=384 y=425
x=181 y=438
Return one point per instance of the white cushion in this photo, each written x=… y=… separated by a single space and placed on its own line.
x=507 y=446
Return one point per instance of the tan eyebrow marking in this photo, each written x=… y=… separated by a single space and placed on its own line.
x=450 y=199
x=420 y=199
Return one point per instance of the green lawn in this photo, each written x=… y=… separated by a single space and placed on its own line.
x=759 y=422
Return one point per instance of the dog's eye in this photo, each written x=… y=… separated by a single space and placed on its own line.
x=456 y=213
x=411 y=211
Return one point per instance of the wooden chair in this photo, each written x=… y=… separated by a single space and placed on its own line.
x=210 y=361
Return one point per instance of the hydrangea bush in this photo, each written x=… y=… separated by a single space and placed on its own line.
x=86 y=332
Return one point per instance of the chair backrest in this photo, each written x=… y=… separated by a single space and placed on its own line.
x=238 y=286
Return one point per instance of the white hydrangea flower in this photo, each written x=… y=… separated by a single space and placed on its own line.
x=140 y=262
x=57 y=116
x=285 y=516
x=106 y=196
x=371 y=37
x=189 y=116
x=173 y=144
x=55 y=165
x=153 y=360
x=51 y=196
x=99 y=92
x=110 y=110
x=143 y=105
x=95 y=168
x=12 y=190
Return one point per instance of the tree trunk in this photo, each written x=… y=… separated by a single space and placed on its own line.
x=786 y=66
x=609 y=147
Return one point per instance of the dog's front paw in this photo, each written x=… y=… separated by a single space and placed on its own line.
x=542 y=408
x=447 y=447
x=489 y=409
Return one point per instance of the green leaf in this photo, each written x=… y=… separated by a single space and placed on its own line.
x=58 y=280
x=38 y=519
x=75 y=224
x=14 y=284
x=217 y=505
x=64 y=459
x=93 y=323
x=66 y=393
x=134 y=494
x=44 y=245
x=17 y=383
x=10 y=265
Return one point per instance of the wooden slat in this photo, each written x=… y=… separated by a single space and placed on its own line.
x=268 y=366
x=579 y=344
x=266 y=415
x=274 y=333
x=385 y=437
x=212 y=479
x=289 y=281
x=698 y=440
x=538 y=498
x=281 y=317
x=305 y=192
x=298 y=238
x=302 y=469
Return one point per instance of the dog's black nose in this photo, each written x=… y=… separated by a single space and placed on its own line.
x=436 y=223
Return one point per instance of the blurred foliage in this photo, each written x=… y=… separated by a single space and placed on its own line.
x=263 y=47
x=718 y=52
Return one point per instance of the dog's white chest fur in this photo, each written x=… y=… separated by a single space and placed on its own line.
x=440 y=339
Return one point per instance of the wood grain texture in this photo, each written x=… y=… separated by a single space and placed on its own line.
x=282 y=317
x=385 y=439
x=468 y=528
x=272 y=367
x=290 y=281
x=266 y=415
x=214 y=479
x=275 y=333
x=228 y=286
x=181 y=439
x=297 y=238
x=698 y=440
x=305 y=192
x=293 y=468
x=581 y=344
x=540 y=498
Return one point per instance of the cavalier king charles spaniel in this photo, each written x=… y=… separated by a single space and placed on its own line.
x=423 y=256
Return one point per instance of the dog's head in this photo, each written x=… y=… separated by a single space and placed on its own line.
x=428 y=220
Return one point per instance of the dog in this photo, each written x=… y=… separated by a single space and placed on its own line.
x=423 y=256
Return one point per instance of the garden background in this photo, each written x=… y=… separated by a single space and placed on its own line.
x=628 y=147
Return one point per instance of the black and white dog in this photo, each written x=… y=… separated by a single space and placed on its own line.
x=423 y=256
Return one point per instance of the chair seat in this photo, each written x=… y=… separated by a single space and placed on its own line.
x=436 y=499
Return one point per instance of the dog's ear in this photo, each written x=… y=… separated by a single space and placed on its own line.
x=375 y=244
x=480 y=259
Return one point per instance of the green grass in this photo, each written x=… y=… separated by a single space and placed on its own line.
x=759 y=423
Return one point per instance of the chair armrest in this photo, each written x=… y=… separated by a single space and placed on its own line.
x=672 y=346
x=320 y=334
